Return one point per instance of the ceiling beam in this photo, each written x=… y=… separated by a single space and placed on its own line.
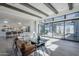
x=70 y=6
x=51 y=7
x=20 y=10
x=33 y=8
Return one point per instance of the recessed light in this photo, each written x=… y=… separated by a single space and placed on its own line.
x=6 y=22
x=19 y=23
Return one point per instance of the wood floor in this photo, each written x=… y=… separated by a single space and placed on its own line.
x=53 y=47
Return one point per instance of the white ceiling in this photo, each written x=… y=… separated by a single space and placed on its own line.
x=27 y=9
x=7 y=13
x=42 y=7
x=60 y=6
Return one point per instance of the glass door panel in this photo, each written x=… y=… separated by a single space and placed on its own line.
x=58 y=30
x=76 y=25
x=69 y=30
x=48 y=29
x=41 y=29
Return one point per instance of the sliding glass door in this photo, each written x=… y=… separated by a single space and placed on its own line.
x=48 y=29
x=69 y=30
x=76 y=29
x=58 y=30
x=42 y=29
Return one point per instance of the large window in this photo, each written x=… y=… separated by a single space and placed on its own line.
x=66 y=29
x=72 y=15
x=59 y=18
x=49 y=20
